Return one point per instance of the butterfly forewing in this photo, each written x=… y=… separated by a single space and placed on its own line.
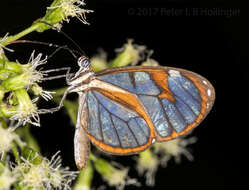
x=132 y=106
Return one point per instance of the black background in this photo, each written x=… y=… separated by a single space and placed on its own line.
x=213 y=46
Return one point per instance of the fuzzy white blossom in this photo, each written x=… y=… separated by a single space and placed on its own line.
x=147 y=163
x=49 y=174
x=46 y=95
x=7 y=137
x=73 y=8
x=114 y=174
x=119 y=178
x=149 y=160
x=3 y=47
x=27 y=111
x=175 y=148
x=31 y=71
x=134 y=53
x=37 y=76
x=6 y=178
x=150 y=62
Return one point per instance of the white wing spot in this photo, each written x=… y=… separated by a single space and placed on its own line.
x=174 y=73
x=209 y=92
x=153 y=140
x=204 y=82
x=207 y=105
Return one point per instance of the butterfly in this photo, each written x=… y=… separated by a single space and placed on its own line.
x=125 y=110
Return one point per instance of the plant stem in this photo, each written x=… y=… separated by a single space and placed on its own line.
x=22 y=33
x=84 y=179
x=15 y=152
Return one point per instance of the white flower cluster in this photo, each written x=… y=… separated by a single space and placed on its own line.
x=6 y=178
x=7 y=138
x=28 y=112
x=49 y=174
x=149 y=160
x=72 y=8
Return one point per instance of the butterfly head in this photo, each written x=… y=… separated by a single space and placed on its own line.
x=83 y=74
x=84 y=64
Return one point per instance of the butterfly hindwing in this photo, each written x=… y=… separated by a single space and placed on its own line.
x=115 y=128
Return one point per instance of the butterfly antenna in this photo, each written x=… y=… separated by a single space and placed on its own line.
x=67 y=36
x=50 y=45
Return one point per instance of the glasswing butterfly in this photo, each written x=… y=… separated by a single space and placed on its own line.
x=125 y=110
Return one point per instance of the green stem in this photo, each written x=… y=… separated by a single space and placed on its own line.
x=24 y=101
x=84 y=179
x=2 y=166
x=102 y=166
x=2 y=92
x=59 y=92
x=92 y=157
x=29 y=139
x=21 y=34
x=72 y=108
x=15 y=153
x=3 y=123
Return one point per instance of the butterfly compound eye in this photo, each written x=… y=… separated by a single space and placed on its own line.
x=84 y=62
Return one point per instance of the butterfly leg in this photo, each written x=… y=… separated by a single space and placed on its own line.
x=67 y=75
x=52 y=110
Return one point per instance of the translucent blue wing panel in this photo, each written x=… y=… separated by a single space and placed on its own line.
x=119 y=79
x=175 y=117
x=93 y=116
x=142 y=124
x=188 y=86
x=127 y=137
x=157 y=115
x=185 y=110
x=114 y=124
x=142 y=133
x=115 y=109
x=110 y=135
x=144 y=85
x=186 y=92
x=135 y=82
